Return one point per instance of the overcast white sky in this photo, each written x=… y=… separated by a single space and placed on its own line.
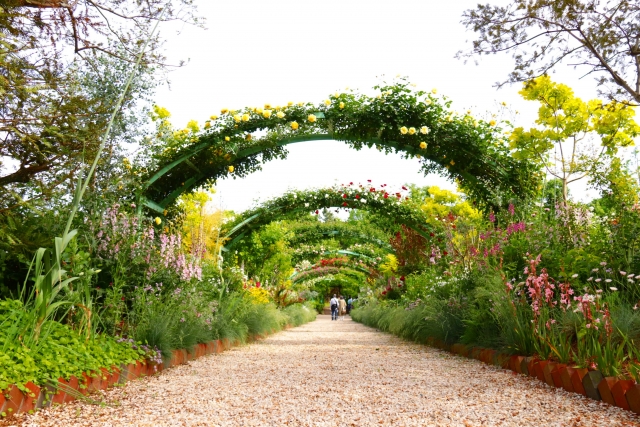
x=255 y=52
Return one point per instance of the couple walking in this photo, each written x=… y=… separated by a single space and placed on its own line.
x=338 y=307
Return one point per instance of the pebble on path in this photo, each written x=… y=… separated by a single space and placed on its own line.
x=334 y=373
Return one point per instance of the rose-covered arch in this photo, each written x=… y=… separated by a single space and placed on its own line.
x=397 y=119
x=298 y=203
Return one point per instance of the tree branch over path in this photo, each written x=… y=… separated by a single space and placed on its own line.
x=603 y=35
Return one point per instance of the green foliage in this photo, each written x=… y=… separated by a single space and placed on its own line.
x=61 y=352
x=565 y=144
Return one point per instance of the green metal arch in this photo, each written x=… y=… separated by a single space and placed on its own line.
x=288 y=206
x=471 y=152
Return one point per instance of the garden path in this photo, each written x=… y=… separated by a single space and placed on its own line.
x=336 y=374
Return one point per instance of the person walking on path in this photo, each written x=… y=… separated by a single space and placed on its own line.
x=334 y=307
x=349 y=305
x=343 y=307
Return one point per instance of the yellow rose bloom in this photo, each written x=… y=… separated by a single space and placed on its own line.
x=280 y=114
x=259 y=110
x=311 y=118
x=404 y=130
x=267 y=106
x=412 y=131
x=424 y=130
x=492 y=122
x=341 y=105
x=335 y=95
x=300 y=104
x=434 y=91
x=427 y=101
x=237 y=117
x=207 y=125
x=248 y=137
x=504 y=104
x=158 y=221
x=224 y=110
x=231 y=169
x=294 y=125
x=475 y=123
x=266 y=114
x=327 y=102
x=450 y=118
x=214 y=117
x=423 y=145
x=452 y=163
x=290 y=103
x=245 y=117
x=226 y=138
x=164 y=212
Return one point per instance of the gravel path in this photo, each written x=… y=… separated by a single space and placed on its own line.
x=335 y=374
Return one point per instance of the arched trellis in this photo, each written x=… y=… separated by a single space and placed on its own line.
x=377 y=200
x=323 y=271
x=307 y=232
x=472 y=152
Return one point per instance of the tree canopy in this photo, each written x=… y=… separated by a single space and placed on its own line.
x=599 y=37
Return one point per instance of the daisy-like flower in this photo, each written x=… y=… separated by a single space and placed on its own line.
x=412 y=131
x=613 y=288
x=574 y=276
x=424 y=130
x=404 y=130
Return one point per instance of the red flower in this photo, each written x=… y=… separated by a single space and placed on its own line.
x=402 y=278
x=371 y=190
x=345 y=204
x=445 y=253
x=257 y=284
x=431 y=234
x=404 y=188
x=398 y=195
x=384 y=292
x=316 y=212
x=386 y=195
x=399 y=285
x=344 y=196
x=351 y=183
x=368 y=180
x=122 y=298
x=357 y=196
